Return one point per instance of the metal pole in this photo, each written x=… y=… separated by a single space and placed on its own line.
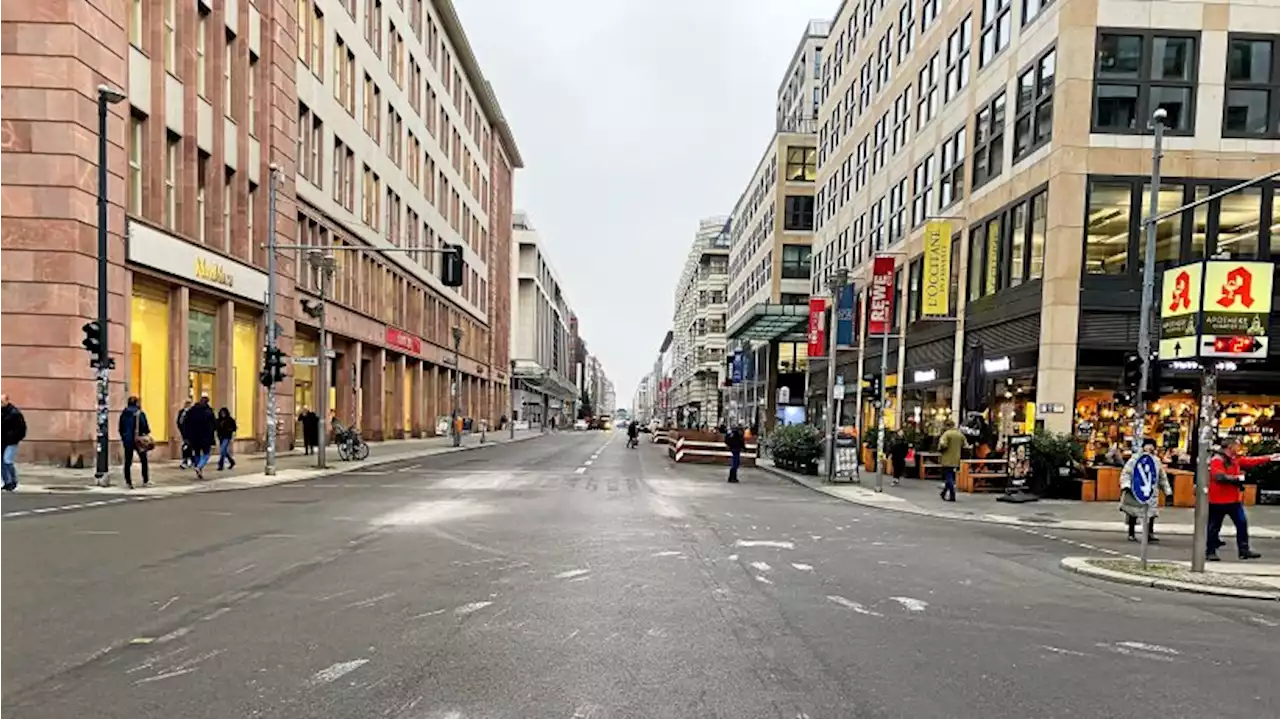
x=835 y=282
x=454 y=410
x=104 y=359
x=884 y=370
x=272 y=419
x=512 y=384
x=1208 y=405
x=1148 y=285
x=322 y=367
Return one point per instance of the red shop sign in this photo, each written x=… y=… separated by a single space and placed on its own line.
x=880 y=306
x=403 y=340
x=817 y=332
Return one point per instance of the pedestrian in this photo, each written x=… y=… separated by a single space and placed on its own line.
x=182 y=434
x=135 y=437
x=310 y=429
x=1226 y=496
x=226 y=431
x=199 y=426
x=1129 y=503
x=951 y=444
x=14 y=427
x=734 y=441
x=898 y=456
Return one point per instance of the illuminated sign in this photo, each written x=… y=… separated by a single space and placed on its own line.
x=1216 y=308
x=880 y=306
x=999 y=364
x=924 y=375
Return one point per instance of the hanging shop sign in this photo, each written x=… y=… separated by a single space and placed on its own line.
x=997 y=364
x=936 y=289
x=404 y=341
x=880 y=306
x=844 y=316
x=924 y=375
x=1216 y=308
x=817 y=333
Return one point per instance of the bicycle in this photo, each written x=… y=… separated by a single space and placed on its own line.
x=351 y=446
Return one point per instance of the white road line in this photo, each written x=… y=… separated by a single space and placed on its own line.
x=336 y=671
x=587 y=463
x=580 y=470
x=16 y=514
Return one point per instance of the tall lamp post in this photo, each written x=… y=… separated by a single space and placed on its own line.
x=272 y=418
x=325 y=263
x=1148 y=287
x=511 y=422
x=454 y=410
x=103 y=362
x=835 y=282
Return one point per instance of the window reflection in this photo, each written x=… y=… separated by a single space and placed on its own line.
x=1238 y=222
x=1107 y=236
x=1200 y=226
x=1039 y=223
x=1168 y=231
x=993 y=257
x=1017 y=244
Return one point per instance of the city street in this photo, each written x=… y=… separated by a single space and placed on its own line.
x=568 y=576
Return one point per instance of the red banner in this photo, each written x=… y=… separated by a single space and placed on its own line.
x=880 y=305
x=817 y=332
x=403 y=340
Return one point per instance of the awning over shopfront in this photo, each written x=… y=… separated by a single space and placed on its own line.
x=769 y=322
x=535 y=378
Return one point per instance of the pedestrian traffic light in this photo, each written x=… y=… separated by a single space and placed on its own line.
x=451 y=266
x=873 y=385
x=1154 y=378
x=1132 y=377
x=92 y=338
x=272 y=367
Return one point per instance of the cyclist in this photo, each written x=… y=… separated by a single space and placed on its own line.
x=633 y=435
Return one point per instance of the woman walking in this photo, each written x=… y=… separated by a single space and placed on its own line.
x=226 y=433
x=135 y=436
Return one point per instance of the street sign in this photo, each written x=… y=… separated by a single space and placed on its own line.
x=1216 y=308
x=837 y=390
x=1180 y=311
x=1145 y=479
x=306 y=361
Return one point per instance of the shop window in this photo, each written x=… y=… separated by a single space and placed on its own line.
x=1252 y=107
x=1107 y=234
x=802 y=164
x=200 y=355
x=244 y=352
x=1168 y=231
x=1239 y=217
x=149 y=358
x=1136 y=73
x=1033 y=126
x=988 y=141
x=1275 y=223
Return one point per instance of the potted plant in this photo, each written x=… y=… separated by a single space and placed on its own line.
x=796 y=447
x=1051 y=454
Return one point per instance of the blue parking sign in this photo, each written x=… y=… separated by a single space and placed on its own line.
x=1145 y=479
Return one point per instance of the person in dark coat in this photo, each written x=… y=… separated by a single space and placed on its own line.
x=310 y=430
x=226 y=431
x=199 y=426
x=898 y=455
x=14 y=431
x=736 y=443
x=133 y=422
x=182 y=434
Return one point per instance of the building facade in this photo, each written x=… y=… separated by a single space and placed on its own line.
x=701 y=302
x=542 y=363
x=386 y=136
x=1025 y=126
x=771 y=233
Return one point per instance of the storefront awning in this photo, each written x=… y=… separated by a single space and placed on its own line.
x=768 y=322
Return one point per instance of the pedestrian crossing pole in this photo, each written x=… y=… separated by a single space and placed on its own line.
x=272 y=418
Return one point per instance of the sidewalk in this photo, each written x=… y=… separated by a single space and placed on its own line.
x=920 y=496
x=291 y=466
x=1246 y=581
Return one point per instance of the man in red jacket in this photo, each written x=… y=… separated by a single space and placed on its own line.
x=1226 y=483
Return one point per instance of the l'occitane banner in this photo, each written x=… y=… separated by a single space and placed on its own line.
x=937 y=269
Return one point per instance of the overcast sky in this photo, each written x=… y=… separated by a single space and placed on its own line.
x=635 y=118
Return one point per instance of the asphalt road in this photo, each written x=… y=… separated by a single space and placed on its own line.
x=571 y=577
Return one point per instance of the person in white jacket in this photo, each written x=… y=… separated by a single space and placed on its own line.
x=1129 y=503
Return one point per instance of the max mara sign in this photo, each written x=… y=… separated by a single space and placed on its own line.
x=160 y=250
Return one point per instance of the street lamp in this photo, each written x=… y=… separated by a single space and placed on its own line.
x=457 y=377
x=325 y=263
x=835 y=283
x=102 y=363
x=511 y=383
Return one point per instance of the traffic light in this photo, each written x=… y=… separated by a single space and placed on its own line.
x=873 y=386
x=92 y=338
x=451 y=266
x=272 y=367
x=1132 y=377
x=1154 y=378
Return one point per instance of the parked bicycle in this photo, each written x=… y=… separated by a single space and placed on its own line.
x=351 y=446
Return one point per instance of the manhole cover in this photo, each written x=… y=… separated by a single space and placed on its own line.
x=67 y=488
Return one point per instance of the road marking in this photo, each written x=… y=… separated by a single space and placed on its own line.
x=371 y=601
x=166 y=604
x=428 y=614
x=761 y=566
x=335 y=672
x=142 y=640
x=669 y=553
x=802 y=567
x=580 y=470
x=1143 y=647
x=587 y=463
x=166 y=675
x=1263 y=621
x=764 y=543
x=911 y=604
x=470 y=607
x=1057 y=650
x=763 y=580
x=570 y=574
x=855 y=606
x=96 y=532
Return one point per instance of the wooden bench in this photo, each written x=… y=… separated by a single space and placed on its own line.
x=928 y=465
x=982 y=475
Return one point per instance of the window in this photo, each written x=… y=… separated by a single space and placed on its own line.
x=1239 y=218
x=1252 y=107
x=928 y=14
x=884 y=60
x=368 y=195
x=1107 y=232
x=991 y=284
x=202 y=185
x=310 y=152
x=317 y=44
x=996 y=29
x=137 y=137
x=202 y=64
x=897 y=211
x=1031 y=10
x=906 y=31
x=1017 y=244
x=253 y=94
x=228 y=204
x=974 y=288
x=251 y=203
x=172 y=150
x=304 y=47
x=228 y=63
x=901 y=119
x=861 y=178
x=1034 y=123
x=395 y=55
x=922 y=180
x=988 y=141
x=957 y=73
x=877 y=225
x=373 y=26
x=881 y=142
x=795 y=262
x=952 y=169
x=136 y=33
x=171 y=37
x=344 y=75
x=1135 y=74
x=802 y=164
x=1039 y=227
x=799 y=213
x=927 y=94
x=913 y=290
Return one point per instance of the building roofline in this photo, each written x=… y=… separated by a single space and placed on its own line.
x=487 y=97
x=808 y=33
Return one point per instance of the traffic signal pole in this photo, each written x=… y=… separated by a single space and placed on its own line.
x=1148 y=290
x=102 y=363
x=272 y=419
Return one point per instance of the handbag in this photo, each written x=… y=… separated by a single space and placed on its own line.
x=143 y=442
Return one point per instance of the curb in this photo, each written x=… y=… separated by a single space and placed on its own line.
x=1083 y=567
x=895 y=504
x=251 y=481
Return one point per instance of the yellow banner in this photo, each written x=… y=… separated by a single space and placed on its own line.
x=936 y=286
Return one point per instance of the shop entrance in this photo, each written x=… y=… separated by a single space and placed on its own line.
x=201 y=382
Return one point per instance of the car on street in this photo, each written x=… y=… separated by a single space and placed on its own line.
x=580 y=424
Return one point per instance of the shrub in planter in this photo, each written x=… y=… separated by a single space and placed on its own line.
x=796 y=447
x=1050 y=452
